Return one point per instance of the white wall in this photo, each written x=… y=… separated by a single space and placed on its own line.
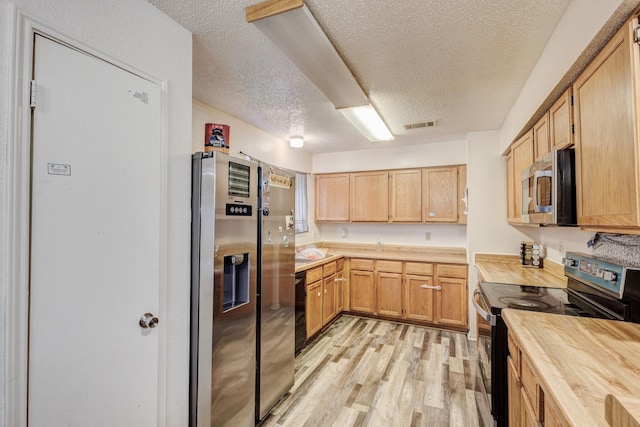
x=136 y=33
x=487 y=228
x=261 y=145
x=424 y=155
x=248 y=139
x=560 y=240
x=577 y=28
x=432 y=154
x=451 y=235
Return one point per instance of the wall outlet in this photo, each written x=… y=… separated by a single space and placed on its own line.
x=427 y=235
x=560 y=247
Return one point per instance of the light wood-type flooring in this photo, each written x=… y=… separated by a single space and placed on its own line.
x=367 y=372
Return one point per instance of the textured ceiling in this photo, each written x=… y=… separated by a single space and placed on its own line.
x=460 y=62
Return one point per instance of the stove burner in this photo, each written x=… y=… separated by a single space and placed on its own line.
x=525 y=303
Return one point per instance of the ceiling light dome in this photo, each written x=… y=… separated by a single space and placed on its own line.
x=296 y=141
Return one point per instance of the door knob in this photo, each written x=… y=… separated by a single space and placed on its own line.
x=148 y=320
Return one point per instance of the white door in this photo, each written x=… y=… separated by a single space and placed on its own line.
x=95 y=242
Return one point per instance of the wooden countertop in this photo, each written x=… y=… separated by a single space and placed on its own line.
x=439 y=255
x=579 y=361
x=507 y=269
x=302 y=266
x=622 y=411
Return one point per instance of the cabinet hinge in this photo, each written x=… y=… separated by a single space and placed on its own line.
x=636 y=34
x=572 y=100
x=573 y=129
x=32 y=94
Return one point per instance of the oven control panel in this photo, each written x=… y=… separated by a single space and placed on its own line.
x=607 y=276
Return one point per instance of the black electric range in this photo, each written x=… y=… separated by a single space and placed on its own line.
x=595 y=288
x=490 y=299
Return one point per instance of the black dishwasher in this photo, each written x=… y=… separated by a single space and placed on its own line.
x=301 y=298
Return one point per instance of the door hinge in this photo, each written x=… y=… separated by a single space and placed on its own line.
x=636 y=34
x=32 y=94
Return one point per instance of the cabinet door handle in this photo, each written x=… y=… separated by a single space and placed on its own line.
x=319 y=294
x=325 y=291
x=340 y=280
x=432 y=214
x=437 y=288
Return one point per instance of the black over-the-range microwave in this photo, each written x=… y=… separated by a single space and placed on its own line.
x=549 y=190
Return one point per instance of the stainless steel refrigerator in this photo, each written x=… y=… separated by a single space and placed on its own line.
x=224 y=285
x=276 y=288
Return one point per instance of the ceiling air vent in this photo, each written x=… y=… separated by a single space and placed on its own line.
x=420 y=125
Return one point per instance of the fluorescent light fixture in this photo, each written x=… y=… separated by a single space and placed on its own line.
x=296 y=141
x=292 y=28
x=297 y=34
x=367 y=120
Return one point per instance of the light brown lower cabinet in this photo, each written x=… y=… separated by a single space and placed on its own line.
x=324 y=298
x=361 y=285
x=515 y=393
x=389 y=294
x=523 y=407
x=328 y=298
x=420 y=300
x=388 y=286
x=451 y=301
x=432 y=294
x=451 y=295
x=314 y=308
x=528 y=414
x=551 y=418
x=362 y=291
x=340 y=279
x=528 y=404
x=411 y=291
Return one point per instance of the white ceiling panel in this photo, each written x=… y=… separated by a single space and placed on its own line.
x=461 y=63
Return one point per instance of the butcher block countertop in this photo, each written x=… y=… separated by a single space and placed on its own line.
x=507 y=269
x=306 y=265
x=438 y=255
x=579 y=361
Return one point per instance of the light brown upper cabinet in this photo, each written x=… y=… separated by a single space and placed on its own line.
x=405 y=190
x=561 y=122
x=332 y=197
x=511 y=203
x=521 y=158
x=440 y=192
x=541 y=143
x=399 y=195
x=606 y=145
x=462 y=194
x=370 y=196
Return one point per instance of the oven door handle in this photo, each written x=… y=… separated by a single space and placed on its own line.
x=491 y=318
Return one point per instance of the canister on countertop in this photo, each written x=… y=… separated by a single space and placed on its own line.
x=531 y=254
